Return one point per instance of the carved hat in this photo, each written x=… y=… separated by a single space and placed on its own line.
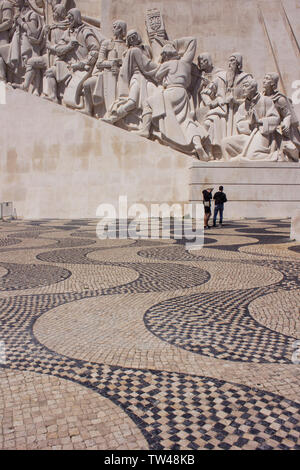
x=75 y=12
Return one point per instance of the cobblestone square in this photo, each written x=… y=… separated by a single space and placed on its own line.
x=140 y=344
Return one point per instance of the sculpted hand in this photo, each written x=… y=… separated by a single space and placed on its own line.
x=115 y=69
x=78 y=66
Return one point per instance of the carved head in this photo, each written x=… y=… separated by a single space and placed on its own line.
x=133 y=38
x=169 y=52
x=59 y=12
x=74 y=17
x=21 y=3
x=235 y=62
x=249 y=88
x=119 y=29
x=205 y=62
x=270 y=82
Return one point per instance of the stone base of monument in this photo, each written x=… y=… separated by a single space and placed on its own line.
x=253 y=189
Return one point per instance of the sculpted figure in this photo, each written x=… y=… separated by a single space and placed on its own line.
x=77 y=53
x=169 y=108
x=289 y=136
x=36 y=66
x=28 y=37
x=135 y=79
x=6 y=23
x=102 y=87
x=257 y=119
x=230 y=87
x=202 y=74
x=215 y=117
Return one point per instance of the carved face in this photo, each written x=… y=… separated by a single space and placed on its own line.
x=21 y=3
x=118 y=30
x=155 y=22
x=133 y=39
x=268 y=83
x=233 y=64
x=59 y=13
x=71 y=20
x=249 y=89
x=203 y=63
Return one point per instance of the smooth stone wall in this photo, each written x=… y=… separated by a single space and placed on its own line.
x=59 y=163
x=295 y=227
x=261 y=189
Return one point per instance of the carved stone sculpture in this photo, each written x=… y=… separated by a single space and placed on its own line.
x=6 y=23
x=230 y=87
x=77 y=53
x=102 y=88
x=156 y=31
x=257 y=119
x=202 y=74
x=169 y=108
x=36 y=66
x=28 y=38
x=47 y=47
x=288 y=136
x=135 y=79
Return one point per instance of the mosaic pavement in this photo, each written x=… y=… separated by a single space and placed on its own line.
x=124 y=344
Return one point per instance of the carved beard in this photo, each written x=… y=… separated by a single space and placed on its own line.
x=231 y=74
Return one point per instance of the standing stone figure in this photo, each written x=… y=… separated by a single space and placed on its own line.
x=77 y=53
x=230 y=87
x=202 y=75
x=135 y=79
x=28 y=37
x=169 y=108
x=6 y=23
x=102 y=87
x=257 y=119
x=36 y=66
x=289 y=137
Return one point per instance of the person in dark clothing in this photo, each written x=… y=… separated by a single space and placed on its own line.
x=219 y=198
x=207 y=197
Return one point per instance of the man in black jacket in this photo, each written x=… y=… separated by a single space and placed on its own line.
x=219 y=198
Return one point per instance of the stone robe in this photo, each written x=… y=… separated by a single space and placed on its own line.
x=224 y=89
x=137 y=74
x=26 y=44
x=170 y=105
x=254 y=142
x=289 y=140
x=106 y=89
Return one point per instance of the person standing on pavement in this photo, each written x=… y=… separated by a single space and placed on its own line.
x=220 y=199
x=207 y=197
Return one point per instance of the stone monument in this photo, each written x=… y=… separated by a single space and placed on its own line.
x=150 y=83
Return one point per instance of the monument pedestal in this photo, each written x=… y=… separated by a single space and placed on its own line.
x=253 y=189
